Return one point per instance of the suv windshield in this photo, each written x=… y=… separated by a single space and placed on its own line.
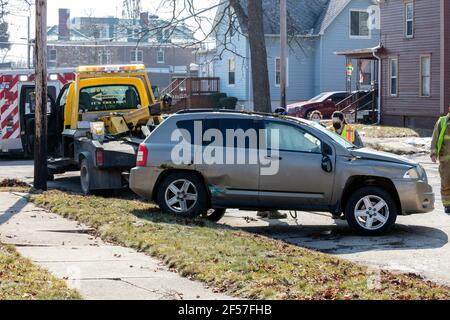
x=320 y=98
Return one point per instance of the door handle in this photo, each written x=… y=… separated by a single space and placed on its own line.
x=273 y=158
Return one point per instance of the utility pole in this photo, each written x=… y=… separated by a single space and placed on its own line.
x=283 y=53
x=28 y=43
x=40 y=58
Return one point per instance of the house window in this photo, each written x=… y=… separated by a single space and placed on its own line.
x=409 y=19
x=278 y=72
x=359 y=24
x=136 y=56
x=231 y=72
x=425 y=75
x=160 y=56
x=52 y=55
x=393 y=75
x=104 y=57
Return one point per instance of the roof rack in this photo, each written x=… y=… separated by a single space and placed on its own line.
x=187 y=111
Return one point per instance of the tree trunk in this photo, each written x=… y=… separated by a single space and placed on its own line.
x=258 y=53
x=40 y=144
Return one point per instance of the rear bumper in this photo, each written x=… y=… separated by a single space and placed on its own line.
x=142 y=180
x=415 y=196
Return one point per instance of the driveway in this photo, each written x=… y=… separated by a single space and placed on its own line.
x=418 y=244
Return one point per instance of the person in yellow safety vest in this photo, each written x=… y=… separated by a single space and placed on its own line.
x=440 y=150
x=346 y=131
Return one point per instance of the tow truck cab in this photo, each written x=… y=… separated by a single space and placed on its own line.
x=97 y=93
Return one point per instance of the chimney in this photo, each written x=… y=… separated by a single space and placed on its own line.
x=144 y=18
x=64 y=24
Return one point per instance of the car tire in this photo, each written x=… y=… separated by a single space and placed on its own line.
x=85 y=177
x=214 y=215
x=183 y=194
x=371 y=211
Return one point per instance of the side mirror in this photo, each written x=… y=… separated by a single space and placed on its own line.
x=327 y=165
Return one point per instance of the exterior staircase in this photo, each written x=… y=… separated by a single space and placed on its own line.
x=360 y=107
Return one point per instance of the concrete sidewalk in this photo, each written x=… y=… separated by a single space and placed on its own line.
x=96 y=269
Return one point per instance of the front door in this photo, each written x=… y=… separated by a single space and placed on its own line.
x=27 y=107
x=301 y=181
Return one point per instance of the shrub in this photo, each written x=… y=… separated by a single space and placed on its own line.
x=228 y=103
x=215 y=98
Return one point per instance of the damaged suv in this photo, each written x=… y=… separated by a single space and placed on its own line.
x=203 y=162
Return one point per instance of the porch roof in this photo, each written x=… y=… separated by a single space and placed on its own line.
x=365 y=53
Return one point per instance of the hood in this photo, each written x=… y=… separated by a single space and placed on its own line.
x=301 y=104
x=370 y=154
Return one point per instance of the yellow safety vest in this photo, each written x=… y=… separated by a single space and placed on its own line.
x=348 y=134
x=444 y=124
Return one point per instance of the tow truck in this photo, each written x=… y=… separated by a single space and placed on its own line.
x=105 y=113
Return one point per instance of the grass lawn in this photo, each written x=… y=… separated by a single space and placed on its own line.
x=20 y=279
x=239 y=263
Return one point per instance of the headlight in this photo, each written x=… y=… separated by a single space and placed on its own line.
x=416 y=173
x=412 y=174
x=298 y=109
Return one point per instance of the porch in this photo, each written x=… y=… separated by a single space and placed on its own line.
x=191 y=92
x=363 y=104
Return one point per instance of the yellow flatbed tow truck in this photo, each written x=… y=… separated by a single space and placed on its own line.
x=103 y=116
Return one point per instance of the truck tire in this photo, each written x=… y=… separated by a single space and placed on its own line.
x=214 y=214
x=371 y=211
x=85 y=173
x=182 y=194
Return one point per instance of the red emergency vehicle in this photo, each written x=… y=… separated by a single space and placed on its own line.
x=17 y=105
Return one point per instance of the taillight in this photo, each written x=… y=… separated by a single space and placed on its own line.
x=100 y=158
x=141 y=160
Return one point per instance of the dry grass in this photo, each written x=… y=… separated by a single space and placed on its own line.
x=239 y=263
x=20 y=279
x=373 y=131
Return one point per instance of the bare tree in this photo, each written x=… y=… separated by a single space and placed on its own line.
x=233 y=17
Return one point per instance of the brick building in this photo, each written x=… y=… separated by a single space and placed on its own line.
x=109 y=40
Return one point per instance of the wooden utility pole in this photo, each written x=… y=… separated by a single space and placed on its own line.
x=40 y=58
x=283 y=53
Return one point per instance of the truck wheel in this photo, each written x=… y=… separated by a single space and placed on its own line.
x=371 y=211
x=182 y=194
x=85 y=178
x=214 y=214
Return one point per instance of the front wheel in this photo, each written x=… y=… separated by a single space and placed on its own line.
x=371 y=211
x=183 y=194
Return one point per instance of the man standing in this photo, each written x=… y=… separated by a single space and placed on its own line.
x=440 y=149
x=346 y=131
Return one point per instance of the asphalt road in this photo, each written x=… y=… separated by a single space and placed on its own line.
x=418 y=244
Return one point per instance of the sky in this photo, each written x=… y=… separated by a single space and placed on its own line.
x=101 y=8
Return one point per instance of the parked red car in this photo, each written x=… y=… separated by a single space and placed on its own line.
x=324 y=102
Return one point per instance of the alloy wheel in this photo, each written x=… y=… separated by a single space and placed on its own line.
x=181 y=195
x=371 y=212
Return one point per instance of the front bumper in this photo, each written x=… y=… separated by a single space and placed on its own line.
x=143 y=180
x=415 y=196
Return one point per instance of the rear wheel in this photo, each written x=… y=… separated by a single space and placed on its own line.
x=214 y=214
x=85 y=178
x=371 y=211
x=182 y=194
